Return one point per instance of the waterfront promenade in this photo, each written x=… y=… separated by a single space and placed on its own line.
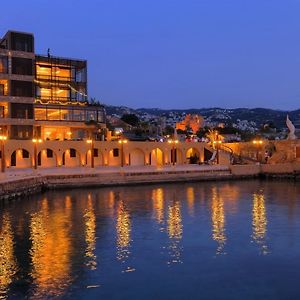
x=19 y=182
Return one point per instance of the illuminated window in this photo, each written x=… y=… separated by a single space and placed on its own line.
x=53 y=114
x=40 y=114
x=66 y=114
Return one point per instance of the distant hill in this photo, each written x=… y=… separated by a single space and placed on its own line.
x=258 y=115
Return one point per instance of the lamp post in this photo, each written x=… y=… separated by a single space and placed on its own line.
x=217 y=144
x=35 y=142
x=257 y=144
x=122 y=142
x=173 y=142
x=91 y=141
x=3 y=138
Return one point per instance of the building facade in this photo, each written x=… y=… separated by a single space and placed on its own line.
x=44 y=96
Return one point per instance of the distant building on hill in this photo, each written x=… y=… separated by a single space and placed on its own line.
x=191 y=122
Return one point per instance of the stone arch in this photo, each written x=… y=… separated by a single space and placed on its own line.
x=71 y=158
x=156 y=157
x=136 y=157
x=98 y=157
x=20 y=158
x=47 y=158
x=191 y=152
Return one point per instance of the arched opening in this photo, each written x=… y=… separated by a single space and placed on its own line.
x=20 y=158
x=47 y=158
x=71 y=158
x=98 y=157
x=114 y=157
x=156 y=157
x=137 y=157
x=192 y=156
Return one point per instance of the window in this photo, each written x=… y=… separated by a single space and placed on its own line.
x=3 y=64
x=22 y=42
x=53 y=114
x=66 y=115
x=96 y=152
x=21 y=132
x=78 y=115
x=25 y=153
x=91 y=115
x=72 y=152
x=22 y=66
x=49 y=153
x=3 y=87
x=21 y=111
x=21 y=88
x=40 y=114
x=115 y=152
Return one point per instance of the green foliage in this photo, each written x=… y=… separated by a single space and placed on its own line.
x=131 y=119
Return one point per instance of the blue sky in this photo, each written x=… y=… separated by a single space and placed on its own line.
x=173 y=54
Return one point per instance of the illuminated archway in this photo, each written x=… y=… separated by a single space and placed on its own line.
x=137 y=157
x=20 y=158
x=47 y=158
x=71 y=158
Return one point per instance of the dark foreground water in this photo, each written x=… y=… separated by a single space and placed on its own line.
x=236 y=240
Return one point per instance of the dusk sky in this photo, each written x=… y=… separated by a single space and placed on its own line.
x=173 y=53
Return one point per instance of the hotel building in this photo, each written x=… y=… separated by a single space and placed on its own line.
x=43 y=96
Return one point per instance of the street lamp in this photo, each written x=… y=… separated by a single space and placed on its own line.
x=217 y=144
x=91 y=141
x=3 y=138
x=122 y=142
x=35 y=142
x=257 y=144
x=173 y=142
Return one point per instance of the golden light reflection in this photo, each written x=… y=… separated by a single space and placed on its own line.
x=123 y=227
x=158 y=204
x=8 y=265
x=259 y=222
x=218 y=221
x=175 y=231
x=90 y=234
x=190 y=194
x=51 y=248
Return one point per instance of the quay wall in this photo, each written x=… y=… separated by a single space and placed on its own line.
x=27 y=185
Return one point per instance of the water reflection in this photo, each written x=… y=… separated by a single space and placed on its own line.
x=190 y=195
x=123 y=228
x=218 y=220
x=51 y=249
x=158 y=204
x=90 y=234
x=8 y=265
x=175 y=231
x=259 y=222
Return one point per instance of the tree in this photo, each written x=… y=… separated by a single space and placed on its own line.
x=131 y=119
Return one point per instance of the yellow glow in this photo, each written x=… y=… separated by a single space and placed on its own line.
x=8 y=265
x=218 y=220
x=90 y=234
x=190 y=194
x=158 y=204
x=175 y=230
x=123 y=227
x=259 y=221
x=51 y=248
x=89 y=141
x=175 y=221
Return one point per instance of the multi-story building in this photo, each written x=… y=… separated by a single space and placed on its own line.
x=44 y=96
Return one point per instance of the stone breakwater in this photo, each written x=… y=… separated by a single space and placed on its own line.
x=18 y=185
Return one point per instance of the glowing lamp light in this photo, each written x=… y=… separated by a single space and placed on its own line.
x=3 y=137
